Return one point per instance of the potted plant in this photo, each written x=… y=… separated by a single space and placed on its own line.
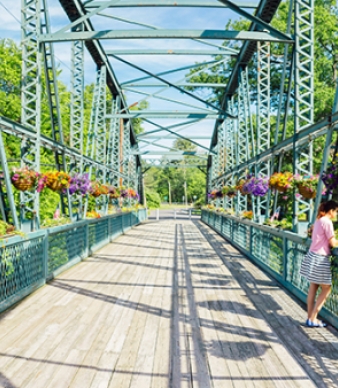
x=114 y=192
x=23 y=178
x=248 y=214
x=281 y=181
x=216 y=193
x=97 y=189
x=307 y=185
x=330 y=178
x=79 y=184
x=257 y=186
x=57 y=180
x=240 y=186
x=229 y=191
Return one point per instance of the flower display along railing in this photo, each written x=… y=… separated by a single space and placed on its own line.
x=278 y=252
x=26 y=263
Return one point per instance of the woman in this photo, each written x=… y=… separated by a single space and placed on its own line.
x=316 y=266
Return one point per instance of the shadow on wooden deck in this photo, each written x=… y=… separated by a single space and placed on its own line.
x=170 y=304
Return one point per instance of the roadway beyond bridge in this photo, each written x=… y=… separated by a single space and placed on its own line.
x=170 y=304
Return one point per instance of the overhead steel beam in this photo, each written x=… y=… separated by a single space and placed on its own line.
x=175 y=137
x=164 y=153
x=171 y=71
x=167 y=114
x=167 y=3
x=175 y=134
x=156 y=96
x=182 y=84
x=169 y=52
x=164 y=34
x=259 y=22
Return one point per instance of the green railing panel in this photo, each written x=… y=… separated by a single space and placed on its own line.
x=21 y=265
x=268 y=249
x=27 y=263
x=126 y=221
x=241 y=235
x=65 y=246
x=98 y=234
x=226 y=227
x=278 y=252
x=115 y=226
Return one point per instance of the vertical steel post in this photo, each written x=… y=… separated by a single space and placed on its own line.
x=96 y=128
x=263 y=120
x=77 y=116
x=30 y=101
x=304 y=95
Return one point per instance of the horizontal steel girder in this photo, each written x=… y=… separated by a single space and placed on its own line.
x=181 y=84
x=140 y=136
x=171 y=153
x=168 y=3
x=167 y=114
x=164 y=34
x=170 y=52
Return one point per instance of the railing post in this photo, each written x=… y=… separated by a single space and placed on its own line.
x=45 y=255
x=86 y=237
x=285 y=258
x=251 y=238
x=157 y=214
x=189 y=214
x=174 y=214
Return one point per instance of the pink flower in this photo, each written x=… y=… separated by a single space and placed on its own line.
x=285 y=197
x=15 y=177
x=298 y=195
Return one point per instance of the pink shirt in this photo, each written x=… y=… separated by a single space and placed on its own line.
x=322 y=232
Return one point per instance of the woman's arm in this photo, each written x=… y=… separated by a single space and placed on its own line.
x=333 y=242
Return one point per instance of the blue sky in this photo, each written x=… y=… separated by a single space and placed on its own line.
x=166 y=18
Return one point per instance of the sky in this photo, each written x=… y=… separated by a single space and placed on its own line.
x=158 y=17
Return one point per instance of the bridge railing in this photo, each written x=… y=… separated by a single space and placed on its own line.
x=26 y=263
x=278 y=252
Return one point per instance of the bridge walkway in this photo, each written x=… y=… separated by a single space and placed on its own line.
x=169 y=304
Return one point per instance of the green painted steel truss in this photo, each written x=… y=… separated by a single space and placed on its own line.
x=239 y=127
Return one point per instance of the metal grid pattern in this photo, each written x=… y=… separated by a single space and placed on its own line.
x=21 y=266
x=63 y=247
x=98 y=234
x=268 y=249
x=281 y=252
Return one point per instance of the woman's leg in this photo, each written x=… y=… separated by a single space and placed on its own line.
x=325 y=292
x=311 y=296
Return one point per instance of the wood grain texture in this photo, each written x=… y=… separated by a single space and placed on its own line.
x=170 y=304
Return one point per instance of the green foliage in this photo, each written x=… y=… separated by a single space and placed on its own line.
x=137 y=123
x=153 y=199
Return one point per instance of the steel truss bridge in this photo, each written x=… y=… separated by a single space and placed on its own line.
x=113 y=152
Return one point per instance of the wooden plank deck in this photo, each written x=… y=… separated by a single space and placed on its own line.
x=169 y=304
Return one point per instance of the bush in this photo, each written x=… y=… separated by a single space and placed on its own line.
x=199 y=203
x=153 y=200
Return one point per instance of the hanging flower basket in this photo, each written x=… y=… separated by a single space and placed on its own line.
x=57 y=180
x=114 y=192
x=23 y=185
x=98 y=189
x=240 y=186
x=281 y=181
x=23 y=178
x=307 y=192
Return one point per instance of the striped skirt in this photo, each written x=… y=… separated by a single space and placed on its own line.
x=316 y=268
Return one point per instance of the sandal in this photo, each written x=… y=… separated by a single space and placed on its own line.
x=309 y=323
